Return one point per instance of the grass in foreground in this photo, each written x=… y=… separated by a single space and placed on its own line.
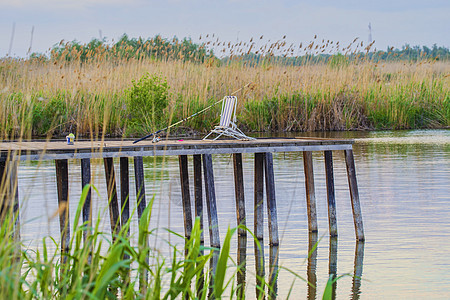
x=92 y=270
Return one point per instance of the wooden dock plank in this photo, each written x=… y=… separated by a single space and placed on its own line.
x=50 y=150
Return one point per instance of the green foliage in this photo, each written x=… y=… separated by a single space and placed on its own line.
x=48 y=114
x=147 y=101
x=338 y=61
x=130 y=48
x=92 y=270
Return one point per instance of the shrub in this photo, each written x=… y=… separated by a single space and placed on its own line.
x=147 y=101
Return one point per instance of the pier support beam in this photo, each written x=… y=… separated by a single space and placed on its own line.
x=9 y=196
x=354 y=195
x=271 y=200
x=112 y=195
x=259 y=196
x=198 y=192
x=62 y=182
x=239 y=192
x=310 y=193
x=124 y=191
x=87 y=206
x=140 y=184
x=211 y=200
x=185 y=195
x=332 y=221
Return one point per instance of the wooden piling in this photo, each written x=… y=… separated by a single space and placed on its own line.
x=239 y=192
x=113 y=203
x=3 y=191
x=62 y=182
x=271 y=200
x=87 y=206
x=9 y=192
x=354 y=195
x=331 y=200
x=124 y=191
x=259 y=196
x=140 y=184
x=198 y=193
x=185 y=195
x=310 y=193
x=211 y=200
x=15 y=195
x=141 y=204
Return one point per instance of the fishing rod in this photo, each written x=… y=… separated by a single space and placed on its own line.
x=185 y=119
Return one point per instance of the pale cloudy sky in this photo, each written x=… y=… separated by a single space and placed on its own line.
x=394 y=22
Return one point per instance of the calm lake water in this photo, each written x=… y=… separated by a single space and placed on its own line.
x=404 y=186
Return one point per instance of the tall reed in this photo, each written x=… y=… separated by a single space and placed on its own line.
x=53 y=97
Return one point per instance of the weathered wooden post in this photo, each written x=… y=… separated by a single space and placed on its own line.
x=310 y=193
x=9 y=195
x=332 y=221
x=259 y=196
x=213 y=221
x=211 y=200
x=140 y=184
x=239 y=192
x=354 y=195
x=198 y=193
x=141 y=204
x=271 y=200
x=258 y=221
x=112 y=195
x=185 y=195
x=62 y=182
x=124 y=191
x=87 y=206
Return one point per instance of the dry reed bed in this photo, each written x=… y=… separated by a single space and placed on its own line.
x=357 y=95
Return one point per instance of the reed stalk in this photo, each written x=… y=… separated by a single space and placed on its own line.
x=51 y=97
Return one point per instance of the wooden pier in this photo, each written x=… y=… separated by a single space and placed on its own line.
x=201 y=152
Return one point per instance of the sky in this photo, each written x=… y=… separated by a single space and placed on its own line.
x=393 y=22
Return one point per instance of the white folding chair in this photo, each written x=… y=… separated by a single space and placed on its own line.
x=227 y=125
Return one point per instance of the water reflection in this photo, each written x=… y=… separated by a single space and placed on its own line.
x=332 y=264
x=259 y=266
x=269 y=286
x=261 y=281
x=358 y=269
x=312 y=265
x=273 y=271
